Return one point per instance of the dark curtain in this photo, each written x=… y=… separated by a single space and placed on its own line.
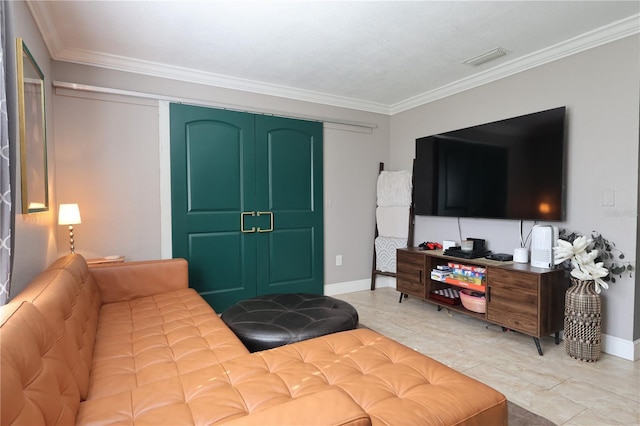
x=6 y=218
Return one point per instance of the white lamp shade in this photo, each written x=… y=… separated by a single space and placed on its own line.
x=69 y=214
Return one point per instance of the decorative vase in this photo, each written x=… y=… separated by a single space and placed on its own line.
x=582 y=321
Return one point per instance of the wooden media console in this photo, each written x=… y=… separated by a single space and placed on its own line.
x=518 y=296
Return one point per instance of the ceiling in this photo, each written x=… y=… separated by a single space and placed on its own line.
x=379 y=56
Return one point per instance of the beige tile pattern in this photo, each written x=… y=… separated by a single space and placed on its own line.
x=564 y=390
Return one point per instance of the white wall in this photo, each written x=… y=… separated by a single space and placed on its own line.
x=108 y=162
x=600 y=88
x=108 y=157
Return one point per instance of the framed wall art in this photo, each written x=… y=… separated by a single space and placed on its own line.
x=32 y=129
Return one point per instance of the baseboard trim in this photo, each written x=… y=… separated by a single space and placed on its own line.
x=346 y=287
x=621 y=348
x=358 y=285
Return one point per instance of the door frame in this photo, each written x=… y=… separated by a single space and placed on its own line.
x=164 y=138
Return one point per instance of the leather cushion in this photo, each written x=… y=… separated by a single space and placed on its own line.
x=37 y=385
x=145 y=340
x=68 y=298
x=273 y=320
x=393 y=384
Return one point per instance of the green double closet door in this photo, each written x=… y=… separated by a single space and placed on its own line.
x=246 y=194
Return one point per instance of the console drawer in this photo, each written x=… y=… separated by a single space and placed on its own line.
x=521 y=281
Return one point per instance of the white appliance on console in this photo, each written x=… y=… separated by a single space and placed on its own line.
x=543 y=238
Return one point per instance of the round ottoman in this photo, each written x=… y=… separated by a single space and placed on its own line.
x=273 y=320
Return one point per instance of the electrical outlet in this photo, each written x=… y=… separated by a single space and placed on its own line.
x=339 y=260
x=608 y=198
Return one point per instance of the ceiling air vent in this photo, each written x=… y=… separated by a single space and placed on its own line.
x=486 y=57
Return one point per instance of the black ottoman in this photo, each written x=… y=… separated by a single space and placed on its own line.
x=273 y=320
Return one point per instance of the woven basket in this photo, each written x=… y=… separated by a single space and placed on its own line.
x=582 y=321
x=473 y=303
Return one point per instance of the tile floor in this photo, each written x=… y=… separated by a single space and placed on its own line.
x=564 y=390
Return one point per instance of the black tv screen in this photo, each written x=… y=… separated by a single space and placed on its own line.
x=508 y=169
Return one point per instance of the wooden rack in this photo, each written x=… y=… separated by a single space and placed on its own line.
x=375 y=272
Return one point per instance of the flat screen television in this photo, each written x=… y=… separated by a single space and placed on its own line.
x=508 y=169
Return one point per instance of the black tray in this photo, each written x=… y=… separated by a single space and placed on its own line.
x=466 y=254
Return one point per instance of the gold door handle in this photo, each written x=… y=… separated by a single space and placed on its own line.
x=270 y=221
x=242 y=215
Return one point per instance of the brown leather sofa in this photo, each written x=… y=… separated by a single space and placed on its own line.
x=131 y=343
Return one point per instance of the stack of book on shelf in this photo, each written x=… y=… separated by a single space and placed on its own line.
x=461 y=275
x=450 y=296
x=440 y=273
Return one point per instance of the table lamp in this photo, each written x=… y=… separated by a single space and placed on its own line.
x=69 y=214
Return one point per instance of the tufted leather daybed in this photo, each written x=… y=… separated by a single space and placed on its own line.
x=131 y=343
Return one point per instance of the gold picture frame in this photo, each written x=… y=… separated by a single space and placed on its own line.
x=32 y=129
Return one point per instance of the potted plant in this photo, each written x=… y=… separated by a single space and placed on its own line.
x=593 y=262
x=584 y=256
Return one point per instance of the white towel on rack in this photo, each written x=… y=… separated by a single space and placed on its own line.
x=394 y=188
x=386 y=252
x=393 y=221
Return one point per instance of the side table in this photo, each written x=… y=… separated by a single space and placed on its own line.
x=105 y=260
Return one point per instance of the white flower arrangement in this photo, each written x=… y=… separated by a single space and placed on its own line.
x=582 y=260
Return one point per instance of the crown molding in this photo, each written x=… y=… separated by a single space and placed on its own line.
x=64 y=88
x=154 y=69
x=42 y=15
x=603 y=35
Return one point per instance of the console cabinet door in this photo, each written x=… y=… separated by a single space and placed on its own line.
x=513 y=300
x=411 y=273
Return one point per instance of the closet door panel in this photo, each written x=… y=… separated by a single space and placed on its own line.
x=213 y=182
x=220 y=270
x=291 y=256
x=246 y=203
x=291 y=260
x=290 y=171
